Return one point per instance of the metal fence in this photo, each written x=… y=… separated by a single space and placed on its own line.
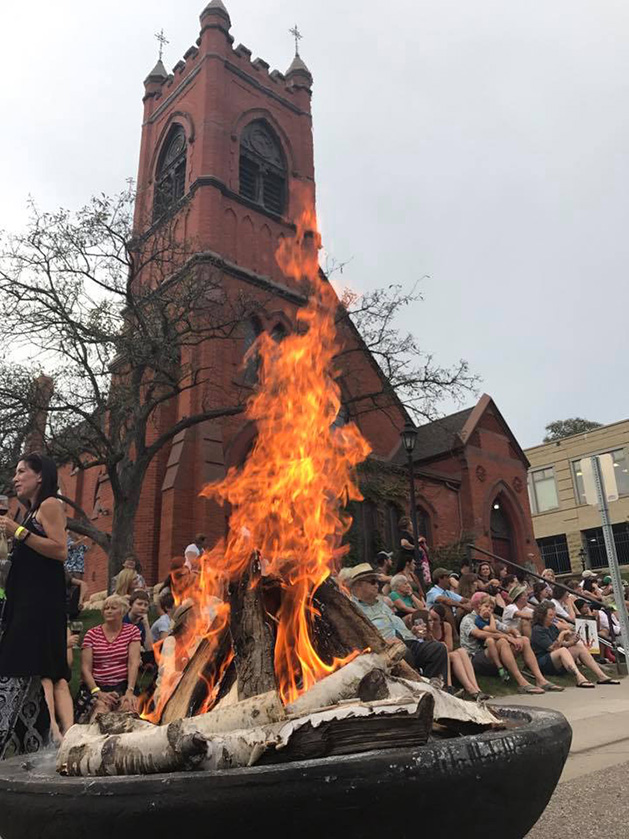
x=555 y=554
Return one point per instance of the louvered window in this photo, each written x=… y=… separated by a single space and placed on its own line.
x=262 y=168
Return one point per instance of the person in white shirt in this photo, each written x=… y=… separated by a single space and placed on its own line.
x=563 y=604
x=518 y=614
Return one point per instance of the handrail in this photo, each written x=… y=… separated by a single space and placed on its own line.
x=582 y=595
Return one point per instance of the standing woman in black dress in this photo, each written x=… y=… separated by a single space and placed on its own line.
x=33 y=644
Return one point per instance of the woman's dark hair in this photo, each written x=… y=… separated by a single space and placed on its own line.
x=466 y=585
x=166 y=600
x=404 y=523
x=558 y=592
x=440 y=610
x=541 y=610
x=47 y=468
x=402 y=561
x=508 y=581
x=588 y=585
x=491 y=570
x=539 y=587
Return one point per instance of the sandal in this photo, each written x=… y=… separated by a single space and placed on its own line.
x=549 y=686
x=585 y=684
x=531 y=689
x=608 y=682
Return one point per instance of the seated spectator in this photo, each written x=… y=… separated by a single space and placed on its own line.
x=493 y=651
x=563 y=603
x=487 y=578
x=161 y=627
x=191 y=557
x=460 y=663
x=468 y=586
x=429 y=657
x=590 y=587
x=76 y=592
x=384 y=566
x=406 y=565
x=454 y=581
x=559 y=651
x=110 y=659
x=541 y=591
x=130 y=564
x=138 y=616
x=441 y=592
x=179 y=578
x=549 y=575
x=402 y=597
x=125 y=582
x=518 y=614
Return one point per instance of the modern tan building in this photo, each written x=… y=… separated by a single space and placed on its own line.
x=568 y=529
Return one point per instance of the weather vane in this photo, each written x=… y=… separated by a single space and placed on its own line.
x=162 y=40
x=297 y=36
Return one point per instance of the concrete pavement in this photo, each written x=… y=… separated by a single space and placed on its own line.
x=600 y=725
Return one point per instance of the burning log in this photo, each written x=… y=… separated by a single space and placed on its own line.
x=252 y=637
x=449 y=710
x=202 y=669
x=344 y=683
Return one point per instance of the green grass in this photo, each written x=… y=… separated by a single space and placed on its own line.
x=496 y=687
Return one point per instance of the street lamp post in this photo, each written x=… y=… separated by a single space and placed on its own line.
x=409 y=438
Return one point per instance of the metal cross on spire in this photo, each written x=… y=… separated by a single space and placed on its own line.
x=297 y=36
x=159 y=36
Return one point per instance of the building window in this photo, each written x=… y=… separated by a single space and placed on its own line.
x=555 y=553
x=543 y=490
x=621 y=472
x=595 y=545
x=252 y=330
x=262 y=168
x=170 y=175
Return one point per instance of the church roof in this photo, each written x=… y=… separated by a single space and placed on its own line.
x=438 y=437
x=216 y=7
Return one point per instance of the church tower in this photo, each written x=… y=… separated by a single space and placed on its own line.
x=225 y=144
x=222 y=137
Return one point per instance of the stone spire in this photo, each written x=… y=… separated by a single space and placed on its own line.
x=217 y=7
x=158 y=74
x=298 y=67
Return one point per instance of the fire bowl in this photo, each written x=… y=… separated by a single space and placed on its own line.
x=474 y=786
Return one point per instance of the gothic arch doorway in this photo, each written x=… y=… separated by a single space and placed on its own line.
x=502 y=537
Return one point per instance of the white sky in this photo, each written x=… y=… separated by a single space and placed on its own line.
x=481 y=142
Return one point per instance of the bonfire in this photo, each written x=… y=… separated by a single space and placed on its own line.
x=274 y=662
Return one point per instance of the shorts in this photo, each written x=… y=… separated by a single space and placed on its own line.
x=483 y=665
x=547 y=666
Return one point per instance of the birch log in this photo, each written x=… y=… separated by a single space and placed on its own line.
x=156 y=749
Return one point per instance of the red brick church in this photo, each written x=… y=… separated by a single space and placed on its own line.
x=223 y=140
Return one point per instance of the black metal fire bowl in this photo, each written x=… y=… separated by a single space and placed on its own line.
x=497 y=783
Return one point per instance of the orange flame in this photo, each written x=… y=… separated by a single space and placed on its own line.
x=287 y=500
x=288 y=497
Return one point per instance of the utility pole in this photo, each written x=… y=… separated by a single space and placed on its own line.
x=612 y=557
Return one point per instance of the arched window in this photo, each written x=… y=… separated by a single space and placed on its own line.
x=252 y=330
x=170 y=175
x=262 y=167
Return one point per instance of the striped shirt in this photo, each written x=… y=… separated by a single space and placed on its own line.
x=110 y=660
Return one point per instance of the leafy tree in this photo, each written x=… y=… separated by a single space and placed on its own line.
x=564 y=428
x=121 y=325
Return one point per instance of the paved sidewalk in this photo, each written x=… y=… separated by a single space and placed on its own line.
x=600 y=725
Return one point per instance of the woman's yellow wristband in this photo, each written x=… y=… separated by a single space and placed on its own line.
x=95 y=690
x=18 y=532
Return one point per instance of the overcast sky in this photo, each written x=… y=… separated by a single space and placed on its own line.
x=483 y=143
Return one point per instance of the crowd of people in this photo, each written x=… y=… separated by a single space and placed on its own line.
x=457 y=626
x=483 y=621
